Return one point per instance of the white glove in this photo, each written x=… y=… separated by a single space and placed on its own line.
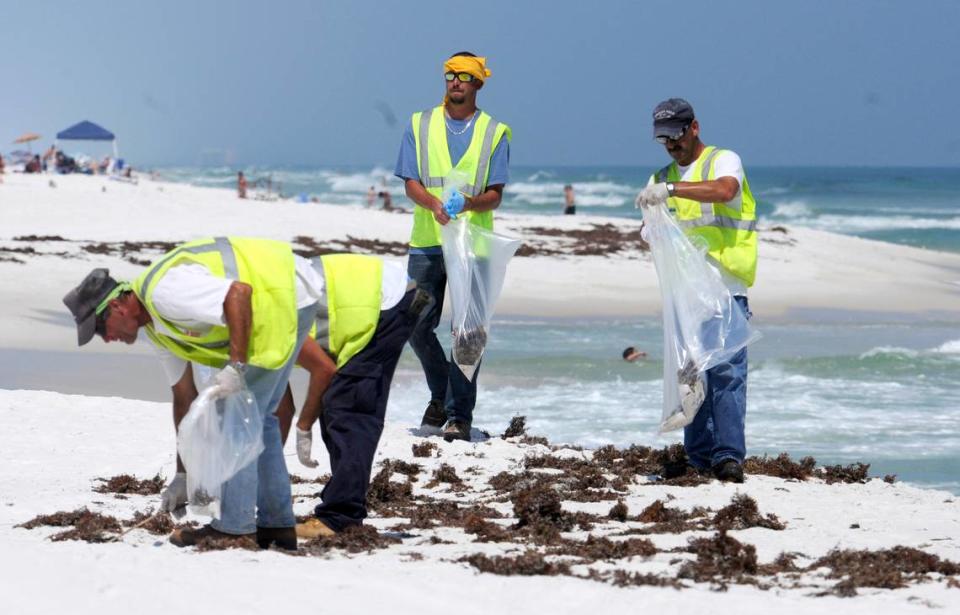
x=304 y=445
x=173 y=498
x=228 y=381
x=652 y=195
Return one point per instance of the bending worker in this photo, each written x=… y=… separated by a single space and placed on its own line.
x=453 y=135
x=244 y=306
x=707 y=191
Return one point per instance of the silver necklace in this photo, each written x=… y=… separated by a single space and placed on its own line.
x=446 y=120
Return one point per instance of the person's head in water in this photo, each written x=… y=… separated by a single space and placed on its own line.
x=631 y=354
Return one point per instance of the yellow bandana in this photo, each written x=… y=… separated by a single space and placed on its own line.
x=466 y=64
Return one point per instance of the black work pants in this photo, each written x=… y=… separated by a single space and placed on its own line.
x=352 y=420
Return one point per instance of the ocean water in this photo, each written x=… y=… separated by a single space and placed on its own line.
x=884 y=393
x=913 y=206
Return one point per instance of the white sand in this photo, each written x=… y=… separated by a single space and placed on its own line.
x=57 y=445
x=801 y=274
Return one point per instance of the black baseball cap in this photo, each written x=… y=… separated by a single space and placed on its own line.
x=83 y=300
x=670 y=118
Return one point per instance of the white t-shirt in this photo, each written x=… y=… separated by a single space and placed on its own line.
x=192 y=297
x=726 y=164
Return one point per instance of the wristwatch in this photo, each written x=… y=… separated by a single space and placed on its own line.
x=671 y=188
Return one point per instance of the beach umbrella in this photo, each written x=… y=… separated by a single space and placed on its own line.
x=27 y=137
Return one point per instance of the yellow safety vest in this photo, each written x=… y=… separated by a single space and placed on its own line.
x=433 y=161
x=730 y=233
x=266 y=265
x=354 y=289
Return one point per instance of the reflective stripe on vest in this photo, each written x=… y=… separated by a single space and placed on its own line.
x=265 y=265
x=354 y=288
x=729 y=231
x=433 y=162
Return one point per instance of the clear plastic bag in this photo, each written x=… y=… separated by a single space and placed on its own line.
x=215 y=440
x=476 y=263
x=703 y=325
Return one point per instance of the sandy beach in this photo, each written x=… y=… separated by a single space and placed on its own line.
x=542 y=524
x=456 y=534
x=582 y=266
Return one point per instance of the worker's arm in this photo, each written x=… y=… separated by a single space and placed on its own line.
x=488 y=200
x=184 y=392
x=173 y=498
x=322 y=369
x=417 y=193
x=718 y=190
x=238 y=313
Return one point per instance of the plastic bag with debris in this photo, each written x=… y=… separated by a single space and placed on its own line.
x=215 y=440
x=476 y=263
x=703 y=325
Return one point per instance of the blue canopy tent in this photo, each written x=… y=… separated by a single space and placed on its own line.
x=87 y=131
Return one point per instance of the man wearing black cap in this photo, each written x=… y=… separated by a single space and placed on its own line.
x=707 y=191
x=245 y=306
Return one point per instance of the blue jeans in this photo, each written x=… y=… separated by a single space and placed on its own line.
x=259 y=494
x=444 y=378
x=717 y=431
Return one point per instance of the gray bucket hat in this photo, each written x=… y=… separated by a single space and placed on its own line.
x=83 y=300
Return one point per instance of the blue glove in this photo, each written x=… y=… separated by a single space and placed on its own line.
x=454 y=204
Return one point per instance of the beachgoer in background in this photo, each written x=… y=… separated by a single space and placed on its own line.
x=200 y=308
x=631 y=354
x=34 y=166
x=449 y=129
x=241 y=185
x=387 y=200
x=570 y=206
x=2 y=168
x=371 y=196
x=708 y=175
x=50 y=159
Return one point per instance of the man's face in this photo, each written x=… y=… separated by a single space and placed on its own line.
x=459 y=92
x=120 y=324
x=683 y=149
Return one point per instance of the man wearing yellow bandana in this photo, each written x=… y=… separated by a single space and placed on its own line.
x=454 y=135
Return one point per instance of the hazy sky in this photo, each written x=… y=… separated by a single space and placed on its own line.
x=326 y=83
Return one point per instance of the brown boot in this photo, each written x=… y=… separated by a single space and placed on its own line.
x=189 y=537
x=283 y=537
x=314 y=528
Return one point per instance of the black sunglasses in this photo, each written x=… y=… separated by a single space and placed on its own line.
x=461 y=77
x=664 y=140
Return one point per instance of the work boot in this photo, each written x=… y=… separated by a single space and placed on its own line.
x=434 y=416
x=284 y=537
x=728 y=471
x=314 y=528
x=456 y=430
x=189 y=537
x=675 y=469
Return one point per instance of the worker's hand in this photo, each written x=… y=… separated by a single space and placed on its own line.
x=228 y=381
x=440 y=214
x=454 y=205
x=173 y=498
x=653 y=195
x=304 y=446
